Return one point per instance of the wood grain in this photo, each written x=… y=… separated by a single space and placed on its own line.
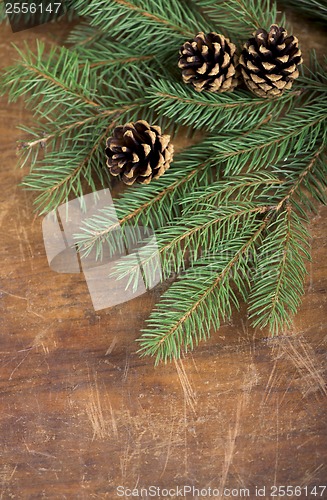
x=81 y=413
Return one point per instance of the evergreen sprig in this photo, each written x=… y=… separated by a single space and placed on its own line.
x=280 y=271
x=231 y=214
x=239 y=18
x=210 y=110
x=316 y=9
x=76 y=114
x=138 y=22
x=203 y=298
x=154 y=205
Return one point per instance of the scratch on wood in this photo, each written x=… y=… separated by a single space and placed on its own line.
x=95 y=414
x=170 y=440
x=270 y=383
x=132 y=451
x=230 y=446
x=193 y=361
x=112 y=346
x=35 y=313
x=27 y=241
x=311 y=476
x=22 y=236
x=304 y=359
x=28 y=309
x=6 y=474
x=21 y=248
x=287 y=388
x=43 y=335
x=126 y=368
x=19 y=364
x=251 y=379
x=312 y=438
x=189 y=393
x=185 y=438
x=124 y=461
x=102 y=424
x=307 y=364
x=13 y=295
x=3 y=214
x=113 y=419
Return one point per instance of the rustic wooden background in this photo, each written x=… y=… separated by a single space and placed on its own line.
x=81 y=413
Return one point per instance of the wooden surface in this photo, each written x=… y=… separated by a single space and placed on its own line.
x=81 y=413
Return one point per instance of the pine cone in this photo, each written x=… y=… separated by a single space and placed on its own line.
x=138 y=152
x=269 y=61
x=209 y=62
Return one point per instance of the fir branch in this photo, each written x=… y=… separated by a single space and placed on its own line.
x=267 y=145
x=119 y=60
x=242 y=234
x=316 y=9
x=239 y=18
x=62 y=79
x=199 y=234
x=254 y=186
x=316 y=188
x=59 y=175
x=51 y=81
x=110 y=58
x=201 y=299
x=280 y=271
x=60 y=86
x=240 y=110
x=268 y=260
x=209 y=212
x=47 y=138
x=263 y=146
x=305 y=180
x=166 y=23
x=52 y=139
x=314 y=76
x=213 y=211
x=152 y=206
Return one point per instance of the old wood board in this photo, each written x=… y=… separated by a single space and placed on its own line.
x=81 y=414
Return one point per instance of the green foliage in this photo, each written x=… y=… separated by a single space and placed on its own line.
x=315 y=77
x=198 y=232
x=239 y=18
x=230 y=216
x=316 y=9
x=296 y=132
x=202 y=298
x=153 y=206
x=279 y=272
x=141 y=22
x=237 y=111
x=73 y=104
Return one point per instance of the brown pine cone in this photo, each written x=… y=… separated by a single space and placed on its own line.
x=138 y=152
x=269 y=61
x=209 y=62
